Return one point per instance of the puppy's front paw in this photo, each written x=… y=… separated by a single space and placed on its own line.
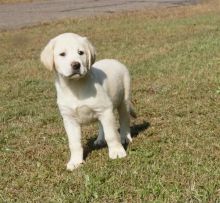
x=71 y=165
x=117 y=152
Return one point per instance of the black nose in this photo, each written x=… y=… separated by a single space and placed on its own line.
x=75 y=65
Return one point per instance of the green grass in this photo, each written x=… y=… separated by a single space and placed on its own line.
x=174 y=59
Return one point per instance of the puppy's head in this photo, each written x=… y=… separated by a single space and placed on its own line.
x=69 y=54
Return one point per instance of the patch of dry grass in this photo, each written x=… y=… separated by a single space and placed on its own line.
x=173 y=56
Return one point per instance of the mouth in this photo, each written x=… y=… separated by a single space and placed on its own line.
x=74 y=76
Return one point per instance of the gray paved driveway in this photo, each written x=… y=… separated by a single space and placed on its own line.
x=26 y=14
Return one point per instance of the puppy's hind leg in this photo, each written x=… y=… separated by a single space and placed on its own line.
x=100 y=141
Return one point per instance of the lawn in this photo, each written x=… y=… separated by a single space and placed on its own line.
x=174 y=59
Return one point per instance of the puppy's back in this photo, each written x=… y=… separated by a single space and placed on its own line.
x=115 y=79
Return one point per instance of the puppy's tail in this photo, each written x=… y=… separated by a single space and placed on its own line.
x=129 y=105
x=132 y=111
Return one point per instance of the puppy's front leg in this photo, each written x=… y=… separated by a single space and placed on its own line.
x=73 y=131
x=115 y=147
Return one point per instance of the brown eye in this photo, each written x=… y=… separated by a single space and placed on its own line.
x=80 y=52
x=63 y=54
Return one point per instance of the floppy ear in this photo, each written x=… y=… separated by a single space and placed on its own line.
x=47 y=55
x=91 y=53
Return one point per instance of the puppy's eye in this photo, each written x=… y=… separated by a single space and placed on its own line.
x=80 y=52
x=63 y=54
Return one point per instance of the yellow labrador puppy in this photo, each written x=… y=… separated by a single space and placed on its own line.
x=87 y=92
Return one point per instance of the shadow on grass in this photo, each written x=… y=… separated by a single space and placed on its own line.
x=135 y=130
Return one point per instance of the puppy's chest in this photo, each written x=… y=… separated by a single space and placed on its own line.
x=81 y=111
x=85 y=106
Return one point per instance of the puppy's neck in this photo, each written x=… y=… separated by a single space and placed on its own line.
x=73 y=86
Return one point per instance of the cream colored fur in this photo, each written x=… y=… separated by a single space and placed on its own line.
x=89 y=93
